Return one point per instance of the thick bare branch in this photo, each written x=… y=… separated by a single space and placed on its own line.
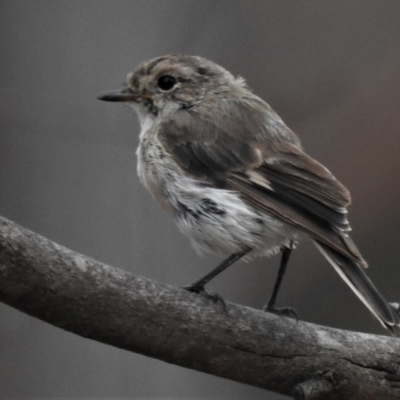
x=106 y=304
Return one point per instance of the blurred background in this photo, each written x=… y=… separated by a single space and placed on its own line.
x=68 y=165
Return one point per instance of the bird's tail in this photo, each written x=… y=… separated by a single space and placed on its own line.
x=353 y=274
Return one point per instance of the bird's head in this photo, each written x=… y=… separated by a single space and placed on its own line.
x=166 y=84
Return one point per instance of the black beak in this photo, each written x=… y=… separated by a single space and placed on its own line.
x=120 y=95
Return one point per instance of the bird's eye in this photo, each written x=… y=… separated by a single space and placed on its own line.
x=166 y=82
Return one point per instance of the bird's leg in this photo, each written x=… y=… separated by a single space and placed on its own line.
x=198 y=286
x=270 y=307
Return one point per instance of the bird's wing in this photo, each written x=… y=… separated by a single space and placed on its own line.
x=236 y=148
x=206 y=145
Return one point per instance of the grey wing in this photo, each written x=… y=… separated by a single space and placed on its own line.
x=236 y=148
x=298 y=190
x=203 y=149
x=216 y=138
x=223 y=136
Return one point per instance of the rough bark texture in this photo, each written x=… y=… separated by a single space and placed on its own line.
x=106 y=304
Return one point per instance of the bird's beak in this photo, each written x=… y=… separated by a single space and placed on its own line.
x=124 y=95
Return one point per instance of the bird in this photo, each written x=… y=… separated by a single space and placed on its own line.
x=235 y=177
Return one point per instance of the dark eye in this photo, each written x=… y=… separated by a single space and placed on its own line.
x=166 y=82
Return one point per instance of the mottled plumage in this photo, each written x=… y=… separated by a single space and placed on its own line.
x=233 y=175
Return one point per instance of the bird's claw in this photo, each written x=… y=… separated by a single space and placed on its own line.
x=283 y=311
x=215 y=297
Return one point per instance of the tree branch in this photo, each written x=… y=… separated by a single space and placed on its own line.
x=93 y=300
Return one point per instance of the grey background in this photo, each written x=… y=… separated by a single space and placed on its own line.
x=68 y=168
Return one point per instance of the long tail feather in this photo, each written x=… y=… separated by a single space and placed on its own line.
x=353 y=274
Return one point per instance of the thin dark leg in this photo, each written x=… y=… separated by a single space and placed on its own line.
x=286 y=252
x=198 y=286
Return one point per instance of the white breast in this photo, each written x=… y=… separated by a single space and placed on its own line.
x=146 y=123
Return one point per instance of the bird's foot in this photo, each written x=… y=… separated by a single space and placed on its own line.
x=283 y=311
x=215 y=297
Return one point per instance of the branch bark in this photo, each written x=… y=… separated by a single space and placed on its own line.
x=93 y=300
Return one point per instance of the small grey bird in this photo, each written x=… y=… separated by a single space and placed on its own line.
x=235 y=177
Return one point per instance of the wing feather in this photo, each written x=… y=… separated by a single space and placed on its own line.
x=268 y=202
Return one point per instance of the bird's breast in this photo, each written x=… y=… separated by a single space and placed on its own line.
x=154 y=170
